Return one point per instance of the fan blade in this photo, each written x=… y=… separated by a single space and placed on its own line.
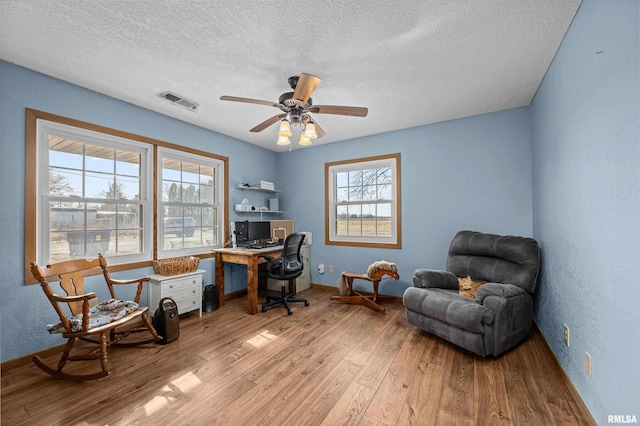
x=307 y=83
x=339 y=110
x=249 y=101
x=266 y=123
x=319 y=130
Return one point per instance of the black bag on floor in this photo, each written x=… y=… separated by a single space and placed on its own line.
x=166 y=320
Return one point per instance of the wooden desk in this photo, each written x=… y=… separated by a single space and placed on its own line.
x=252 y=259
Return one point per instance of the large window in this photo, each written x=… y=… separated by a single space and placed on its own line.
x=363 y=202
x=94 y=195
x=90 y=189
x=189 y=202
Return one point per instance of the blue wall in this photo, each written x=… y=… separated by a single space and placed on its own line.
x=473 y=173
x=586 y=204
x=565 y=170
x=24 y=308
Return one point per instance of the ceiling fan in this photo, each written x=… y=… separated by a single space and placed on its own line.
x=296 y=107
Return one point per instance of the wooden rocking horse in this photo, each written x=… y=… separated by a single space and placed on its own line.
x=374 y=275
x=83 y=323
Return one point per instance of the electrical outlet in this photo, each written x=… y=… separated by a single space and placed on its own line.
x=565 y=327
x=587 y=358
x=330 y=269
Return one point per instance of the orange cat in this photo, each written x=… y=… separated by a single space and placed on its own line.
x=468 y=287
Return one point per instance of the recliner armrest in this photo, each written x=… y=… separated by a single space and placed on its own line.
x=431 y=278
x=497 y=289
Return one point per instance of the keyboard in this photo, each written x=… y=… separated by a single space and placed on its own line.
x=263 y=246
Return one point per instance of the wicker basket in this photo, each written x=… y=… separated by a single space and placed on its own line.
x=176 y=265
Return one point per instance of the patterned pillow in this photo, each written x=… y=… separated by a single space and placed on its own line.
x=101 y=314
x=468 y=287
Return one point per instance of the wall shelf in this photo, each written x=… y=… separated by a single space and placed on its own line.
x=257 y=210
x=260 y=213
x=254 y=188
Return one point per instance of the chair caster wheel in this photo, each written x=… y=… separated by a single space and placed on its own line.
x=264 y=309
x=306 y=303
x=289 y=312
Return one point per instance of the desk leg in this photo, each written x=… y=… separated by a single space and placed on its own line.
x=220 y=278
x=252 y=285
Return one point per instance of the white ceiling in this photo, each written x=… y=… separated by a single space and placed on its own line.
x=411 y=62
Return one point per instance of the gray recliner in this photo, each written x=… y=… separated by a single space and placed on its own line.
x=501 y=314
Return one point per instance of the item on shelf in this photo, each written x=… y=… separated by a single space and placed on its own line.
x=263 y=184
x=176 y=265
x=273 y=204
x=243 y=207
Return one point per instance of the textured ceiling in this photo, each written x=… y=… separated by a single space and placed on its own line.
x=411 y=62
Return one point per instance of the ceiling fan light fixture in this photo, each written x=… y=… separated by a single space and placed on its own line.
x=295 y=110
x=283 y=140
x=304 y=140
x=310 y=131
x=285 y=129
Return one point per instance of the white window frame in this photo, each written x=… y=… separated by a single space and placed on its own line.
x=44 y=128
x=218 y=202
x=331 y=171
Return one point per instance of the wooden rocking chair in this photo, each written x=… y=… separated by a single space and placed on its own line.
x=82 y=323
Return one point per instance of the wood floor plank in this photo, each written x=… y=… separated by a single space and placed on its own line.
x=392 y=392
x=456 y=407
x=329 y=363
x=385 y=347
x=350 y=408
x=528 y=408
x=368 y=421
x=491 y=403
x=425 y=391
x=314 y=405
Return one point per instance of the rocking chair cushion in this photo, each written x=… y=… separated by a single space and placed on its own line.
x=102 y=314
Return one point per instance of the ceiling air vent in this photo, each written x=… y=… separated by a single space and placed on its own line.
x=179 y=100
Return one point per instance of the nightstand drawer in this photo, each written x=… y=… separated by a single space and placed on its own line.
x=187 y=305
x=177 y=284
x=185 y=290
x=181 y=293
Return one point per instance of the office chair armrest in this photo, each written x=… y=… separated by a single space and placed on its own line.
x=267 y=258
x=271 y=262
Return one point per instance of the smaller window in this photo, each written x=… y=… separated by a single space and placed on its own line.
x=363 y=202
x=190 y=205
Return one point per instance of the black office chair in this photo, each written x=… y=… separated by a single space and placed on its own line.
x=286 y=268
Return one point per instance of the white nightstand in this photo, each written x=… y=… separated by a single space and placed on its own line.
x=184 y=289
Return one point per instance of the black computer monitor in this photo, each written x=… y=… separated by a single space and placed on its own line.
x=259 y=231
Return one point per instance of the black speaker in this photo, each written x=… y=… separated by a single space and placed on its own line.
x=242 y=231
x=210 y=298
x=166 y=321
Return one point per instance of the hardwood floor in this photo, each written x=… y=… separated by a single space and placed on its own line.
x=328 y=363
